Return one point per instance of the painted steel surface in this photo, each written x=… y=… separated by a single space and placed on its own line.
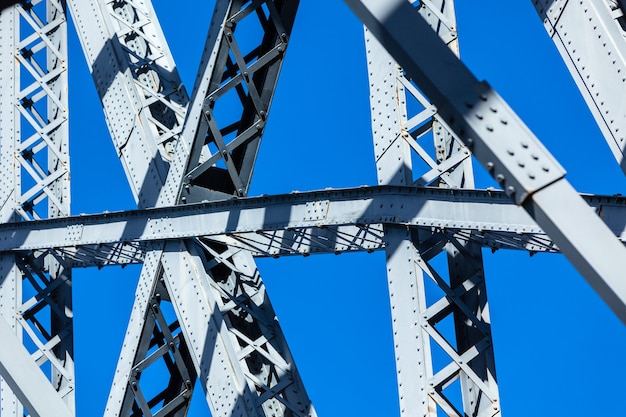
x=201 y=310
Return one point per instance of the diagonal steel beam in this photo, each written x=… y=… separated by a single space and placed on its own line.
x=151 y=188
x=503 y=144
x=589 y=35
x=143 y=98
x=26 y=379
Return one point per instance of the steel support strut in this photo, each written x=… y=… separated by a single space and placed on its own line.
x=35 y=289
x=224 y=320
x=345 y=220
x=589 y=35
x=424 y=389
x=503 y=144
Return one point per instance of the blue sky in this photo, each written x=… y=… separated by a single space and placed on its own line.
x=559 y=350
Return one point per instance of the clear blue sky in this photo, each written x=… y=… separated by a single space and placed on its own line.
x=559 y=350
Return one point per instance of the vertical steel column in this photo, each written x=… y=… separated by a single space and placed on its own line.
x=10 y=278
x=58 y=267
x=35 y=166
x=405 y=281
x=401 y=117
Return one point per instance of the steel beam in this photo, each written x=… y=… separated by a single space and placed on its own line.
x=35 y=169
x=488 y=211
x=325 y=221
x=403 y=119
x=225 y=137
x=589 y=35
x=26 y=379
x=145 y=105
x=503 y=144
x=143 y=98
x=10 y=186
x=10 y=288
x=253 y=73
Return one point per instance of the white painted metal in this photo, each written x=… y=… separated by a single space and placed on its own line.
x=590 y=38
x=520 y=163
x=144 y=110
x=35 y=171
x=31 y=386
x=329 y=221
x=201 y=264
x=398 y=133
x=10 y=288
x=120 y=40
x=261 y=389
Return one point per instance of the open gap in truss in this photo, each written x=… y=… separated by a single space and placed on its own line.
x=228 y=109
x=249 y=32
x=422 y=161
x=432 y=289
x=163 y=376
x=198 y=406
x=445 y=328
x=450 y=397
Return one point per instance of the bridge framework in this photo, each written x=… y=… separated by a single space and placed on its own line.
x=201 y=310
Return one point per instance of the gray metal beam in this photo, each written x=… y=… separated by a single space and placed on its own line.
x=143 y=98
x=356 y=214
x=145 y=105
x=477 y=210
x=157 y=182
x=25 y=378
x=502 y=143
x=35 y=169
x=404 y=123
x=9 y=187
x=589 y=35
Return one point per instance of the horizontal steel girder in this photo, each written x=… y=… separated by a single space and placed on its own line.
x=329 y=221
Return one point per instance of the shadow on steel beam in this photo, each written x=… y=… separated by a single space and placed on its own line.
x=5 y=4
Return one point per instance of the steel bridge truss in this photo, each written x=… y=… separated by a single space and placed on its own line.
x=201 y=311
